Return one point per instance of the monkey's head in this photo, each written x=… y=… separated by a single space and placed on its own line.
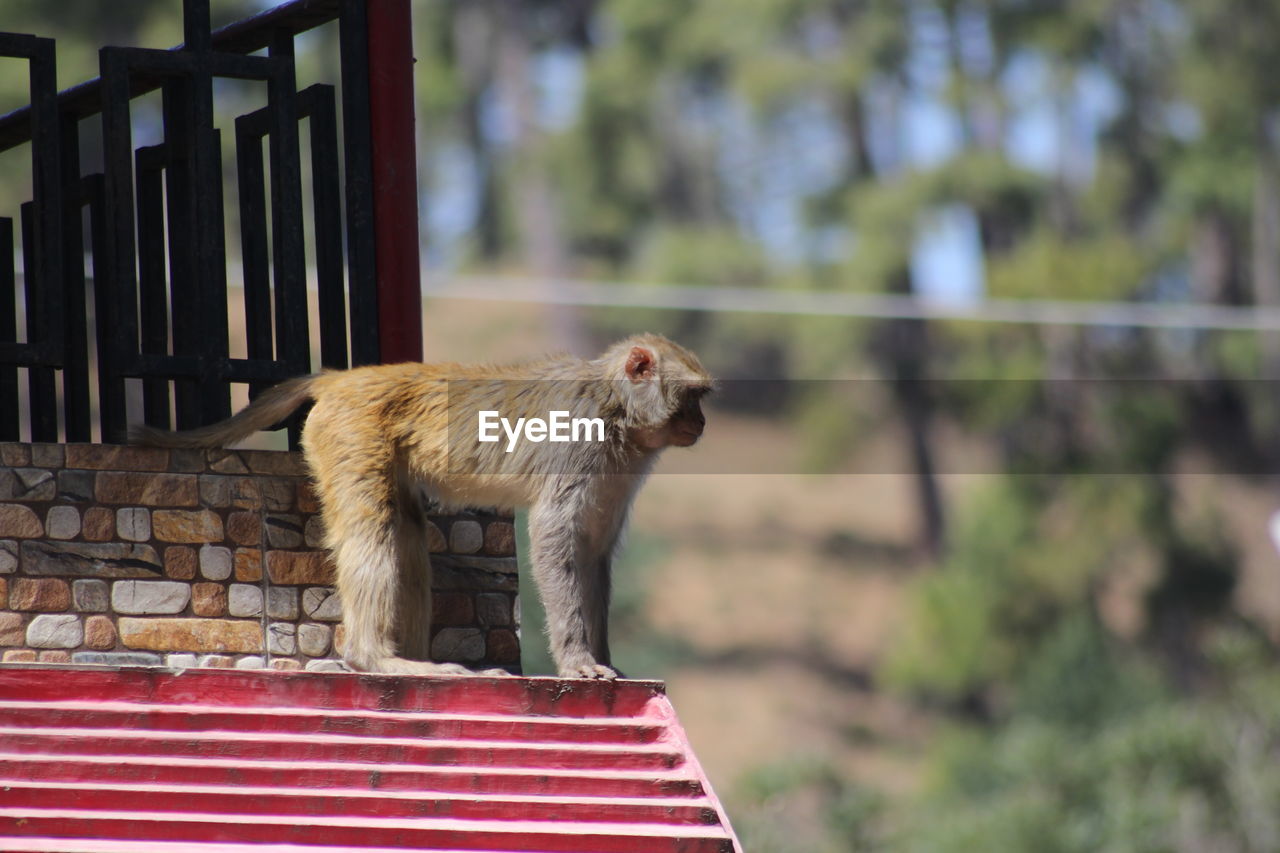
x=662 y=385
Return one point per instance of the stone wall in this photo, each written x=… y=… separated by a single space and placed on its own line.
x=129 y=555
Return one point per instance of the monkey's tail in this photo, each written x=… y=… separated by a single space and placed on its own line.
x=270 y=407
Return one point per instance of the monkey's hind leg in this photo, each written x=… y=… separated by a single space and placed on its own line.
x=383 y=600
x=413 y=628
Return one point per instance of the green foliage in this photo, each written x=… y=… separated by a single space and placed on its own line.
x=1014 y=602
x=1015 y=569
x=1049 y=266
x=834 y=417
x=1091 y=749
x=1078 y=677
x=1150 y=776
x=833 y=813
x=712 y=255
x=988 y=182
x=438 y=89
x=1236 y=354
x=883 y=219
x=1215 y=174
x=1144 y=423
x=947 y=646
x=998 y=377
x=1074 y=738
x=609 y=173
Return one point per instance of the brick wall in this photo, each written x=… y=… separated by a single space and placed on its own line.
x=129 y=555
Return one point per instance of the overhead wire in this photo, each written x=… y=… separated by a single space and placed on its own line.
x=616 y=294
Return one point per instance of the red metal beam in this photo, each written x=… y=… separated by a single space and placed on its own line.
x=395 y=179
x=222 y=761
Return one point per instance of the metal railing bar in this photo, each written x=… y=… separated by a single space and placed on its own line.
x=242 y=37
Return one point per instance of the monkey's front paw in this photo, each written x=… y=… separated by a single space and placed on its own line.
x=594 y=670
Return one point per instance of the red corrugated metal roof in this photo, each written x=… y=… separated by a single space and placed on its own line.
x=140 y=760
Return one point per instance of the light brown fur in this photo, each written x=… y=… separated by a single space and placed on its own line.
x=379 y=436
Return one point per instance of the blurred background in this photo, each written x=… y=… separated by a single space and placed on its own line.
x=975 y=553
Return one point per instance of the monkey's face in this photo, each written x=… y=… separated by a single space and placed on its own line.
x=682 y=428
x=686 y=425
x=666 y=384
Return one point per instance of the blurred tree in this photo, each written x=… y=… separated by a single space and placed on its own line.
x=1105 y=151
x=1153 y=178
x=482 y=71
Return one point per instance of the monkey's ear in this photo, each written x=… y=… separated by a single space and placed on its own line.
x=640 y=364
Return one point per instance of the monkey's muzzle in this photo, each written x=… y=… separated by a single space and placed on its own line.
x=686 y=436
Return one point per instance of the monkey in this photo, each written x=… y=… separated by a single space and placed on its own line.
x=377 y=437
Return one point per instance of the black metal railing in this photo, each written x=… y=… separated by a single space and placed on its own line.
x=157 y=296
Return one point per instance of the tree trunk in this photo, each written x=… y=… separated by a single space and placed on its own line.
x=917 y=413
x=1266 y=247
x=1215 y=270
x=474 y=38
x=538 y=225
x=902 y=347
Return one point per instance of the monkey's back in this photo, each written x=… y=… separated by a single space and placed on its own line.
x=367 y=422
